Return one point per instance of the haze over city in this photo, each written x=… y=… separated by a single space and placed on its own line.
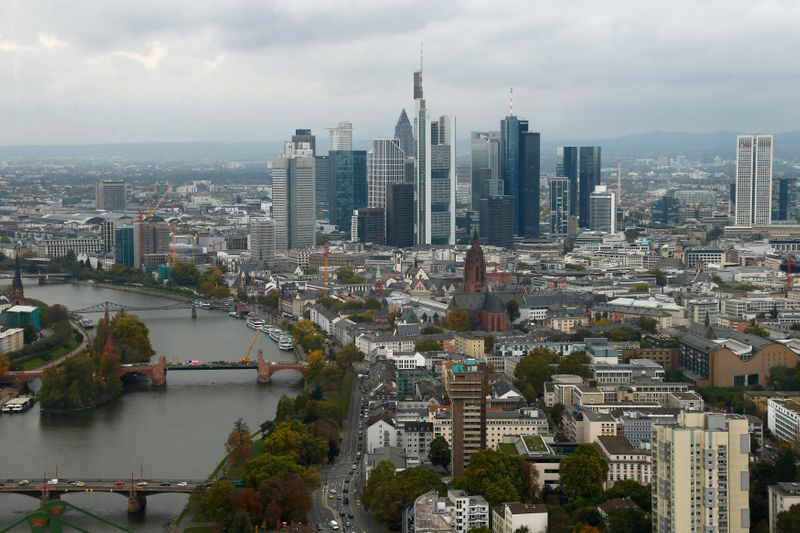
x=104 y=72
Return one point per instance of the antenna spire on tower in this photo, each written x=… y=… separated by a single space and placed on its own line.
x=420 y=57
x=511 y=102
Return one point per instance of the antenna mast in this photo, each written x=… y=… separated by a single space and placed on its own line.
x=511 y=102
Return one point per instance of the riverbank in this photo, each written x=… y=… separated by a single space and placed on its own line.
x=177 y=295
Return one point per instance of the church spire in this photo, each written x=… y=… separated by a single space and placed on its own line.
x=17 y=292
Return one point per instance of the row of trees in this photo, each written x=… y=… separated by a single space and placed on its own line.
x=387 y=492
x=540 y=364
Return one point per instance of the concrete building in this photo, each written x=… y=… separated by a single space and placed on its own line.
x=368 y=225
x=470 y=511
x=57 y=248
x=293 y=194
x=783 y=419
x=510 y=423
x=262 y=240
x=381 y=433
x=107 y=234
x=753 y=180
x=624 y=460
x=110 y=195
x=603 y=210
x=700 y=474
x=385 y=167
x=341 y=137
x=508 y=517
x=11 y=340
x=466 y=384
x=781 y=497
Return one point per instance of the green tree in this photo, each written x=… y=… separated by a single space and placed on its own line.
x=387 y=493
x=576 y=363
x=185 y=274
x=240 y=523
x=131 y=337
x=522 y=529
x=267 y=465
x=535 y=368
x=217 y=503
x=497 y=476
x=29 y=334
x=755 y=329
x=628 y=521
x=628 y=488
x=427 y=345
x=293 y=439
x=583 y=473
x=789 y=520
x=348 y=277
x=457 y=319
x=271 y=300
x=239 y=445
x=348 y=355
x=641 y=287
x=512 y=308
x=647 y=324
x=661 y=278
x=439 y=452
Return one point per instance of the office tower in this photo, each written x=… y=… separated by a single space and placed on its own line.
x=340 y=137
x=700 y=474
x=321 y=183
x=347 y=185
x=666 y=211
x=753 y=180
x=304 y=136
x=559 y=205
x=435 y=172
x=385 y=166
x=404 y=134
x=500 y=214
x=293 y=196
x=400 y=215
x=567 y=167
x=478 y=162
x=466 y=385
x=784 y=199
x=125 y=247
x=463 y=186
x=519 y=168
x=369 y=225
x=107 y=229
x=262 y=240
x=110 y=195
x=588 y=179
x=603 y=210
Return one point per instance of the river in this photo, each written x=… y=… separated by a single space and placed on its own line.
x=177 y=431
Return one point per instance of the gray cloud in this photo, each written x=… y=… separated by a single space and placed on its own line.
x=87 y=71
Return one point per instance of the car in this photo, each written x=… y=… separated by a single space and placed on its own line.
x=330 y=496
x=182 y=484
x=338 y=496
x=346 y=500
x=79 y=483
x=354 y=466
x=345 y=490
x=23 y=482
x=141 y=484
x=332 y=491
x=348 y=524
x=341 y=513
x=164 y=484
x=320 y=527
x=53 y=481
x=119 y=483
x=350 y=516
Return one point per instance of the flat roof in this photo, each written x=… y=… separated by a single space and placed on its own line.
x=21 y=309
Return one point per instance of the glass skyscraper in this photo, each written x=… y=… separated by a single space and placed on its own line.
x=347 y=188
x=559 y=205
x=567 y=167
x=589 y=178
x=520 y=171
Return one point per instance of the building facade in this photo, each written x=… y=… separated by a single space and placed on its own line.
x=603 y=210
x=262 y=240
x=347 y=187
x=385 y=167
x=500 y=227
x=341 y=137
x=466 y=385
x=293 y=193
x=559 y=205
x=400 y=215
x=753 y=180
x=111 y=195
x=520 y=171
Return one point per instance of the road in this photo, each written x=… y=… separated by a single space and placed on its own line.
x=340 y=476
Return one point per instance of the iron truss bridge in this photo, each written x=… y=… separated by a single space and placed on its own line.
x=111 y=307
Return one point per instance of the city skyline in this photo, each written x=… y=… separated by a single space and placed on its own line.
x=168 y=73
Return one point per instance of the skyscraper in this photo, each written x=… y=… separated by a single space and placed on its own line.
x=466 y=384
x=385 y=166
x=567 y=167
x=341 y=137
x=110 y=195
x=125 y=246
x=305 y=136
x=559 y=205
x=400 y=215
x=520 y=171
x=293 y=195
x=435 y=147
x=784 y=199
x=588 y=178
x=700 y=474
x=262 y=239
x=404 y=134
x=753 y=180
x=603 y=210
x=347 y=187
x=369 y=225
x=478 y=162
x=500 y=229
x=107 y=234
x=321 y=184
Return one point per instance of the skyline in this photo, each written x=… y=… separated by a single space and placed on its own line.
x=154 y=73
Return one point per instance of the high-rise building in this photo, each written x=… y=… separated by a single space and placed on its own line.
x=559 y=205
x=369 y=225
x=784 y=199
x=347 y=186
x=262 y=240
x=321 y=184
x=500 y=229
x=303 y=137
x=666 y=211
x=385 y=166
x=125 y=248
x=520 y=170
x=293 y=200
x=400 y=215
x=107 y=233
x=435 y=172
x=466 y=385
x=753 y=180
x=341 y=137
x=701 y=474
x=603 y=210
x=404 y=134
x=567 y=167
x=588 y=179
x=478 y=163
x=110 y=195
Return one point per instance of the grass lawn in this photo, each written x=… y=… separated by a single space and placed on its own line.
x=508 y=448
x=535 y=444
x=33 y=363
x=200 y=517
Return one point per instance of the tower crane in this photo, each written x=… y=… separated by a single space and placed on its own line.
x=325 y=274
x=246 y=359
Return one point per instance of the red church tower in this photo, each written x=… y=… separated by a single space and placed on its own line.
x=475 y=267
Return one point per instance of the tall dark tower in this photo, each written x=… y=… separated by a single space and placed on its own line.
x=475 y=267
x=17 y=292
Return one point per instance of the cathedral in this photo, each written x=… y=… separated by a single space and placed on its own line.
x=487 y=310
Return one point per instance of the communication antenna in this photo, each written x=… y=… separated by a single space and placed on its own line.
x=511 y=102
x=420 y=57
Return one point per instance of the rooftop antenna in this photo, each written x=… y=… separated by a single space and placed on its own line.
x=420 y=57
x=619 y=182
x=511 y=102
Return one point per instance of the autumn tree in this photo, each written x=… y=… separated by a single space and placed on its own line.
x=249 y=501
x=497 y=476
x=267 y=465
x=535 y=368
x=5 y=365
x=293 y=438
x=583 y=473
x=239 y=445
x=241 y=523
x=457 y=319
x=131 y=338
x=387 y=492
x=217 y=503
x=288 y=494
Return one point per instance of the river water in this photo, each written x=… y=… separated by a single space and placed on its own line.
x=177 y=431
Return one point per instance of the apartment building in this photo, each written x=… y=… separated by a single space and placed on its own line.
x=624 y=460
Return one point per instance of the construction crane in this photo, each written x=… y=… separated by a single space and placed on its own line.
x=160 y=201
x=246 y=359
x=325 y=274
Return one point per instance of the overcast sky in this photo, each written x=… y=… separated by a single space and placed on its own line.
x=226 y=70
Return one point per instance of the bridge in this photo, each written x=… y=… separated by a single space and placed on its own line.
x=111 y=307
x=136 y=491
x=157 y=373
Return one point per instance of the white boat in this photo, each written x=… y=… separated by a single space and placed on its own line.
x=233 y=314
x=254 y=323
x=275 y=335
x=286 y=343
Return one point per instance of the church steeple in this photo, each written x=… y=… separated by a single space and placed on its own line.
x=17 y=292
x=475 y=267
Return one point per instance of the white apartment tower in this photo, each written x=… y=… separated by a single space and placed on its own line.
x=341 y=137
x=753 y=180
x=262 y=239
x=700 y=474
x=603 y=210
x=293 y=197
x=385 y=167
